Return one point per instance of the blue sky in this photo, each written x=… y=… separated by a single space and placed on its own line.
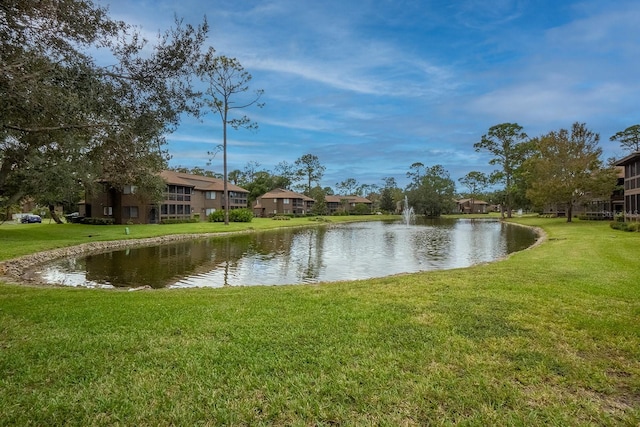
x=372 y=86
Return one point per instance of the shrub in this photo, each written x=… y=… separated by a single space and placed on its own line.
x=625 y=226
x=241 y=215
x=361 y=209
x=97 y=221
x=217 y=216
x=235 y=215
x=281 y=217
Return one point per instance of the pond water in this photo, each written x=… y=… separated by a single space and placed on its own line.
x=294 y=256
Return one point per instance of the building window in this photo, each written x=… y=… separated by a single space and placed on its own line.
x=130 y=211
x=179 y=193
x=208 y=212
x=129 y=189
x=210 y=195
x=107 y=211
x=285 y=201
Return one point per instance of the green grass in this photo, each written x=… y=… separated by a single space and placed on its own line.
x=549 y=336
x=22 y=239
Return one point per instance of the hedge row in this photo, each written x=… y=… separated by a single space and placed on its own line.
x=625 y=226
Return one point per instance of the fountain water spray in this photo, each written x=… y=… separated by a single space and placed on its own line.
x=407 y=213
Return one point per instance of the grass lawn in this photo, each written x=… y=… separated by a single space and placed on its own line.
x=550 y=335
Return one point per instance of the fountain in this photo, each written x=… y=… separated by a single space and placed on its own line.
x=407 y=213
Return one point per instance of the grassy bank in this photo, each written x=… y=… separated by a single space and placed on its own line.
x=22 y=239
x=549 y=336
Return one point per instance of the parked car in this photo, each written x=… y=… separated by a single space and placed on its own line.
x=30 y=219
x=74 y=217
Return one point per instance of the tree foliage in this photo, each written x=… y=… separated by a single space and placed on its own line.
x=628 y=138
x=475 y=182
x=309 y=170
x=63 y=110
x=348 y=187
x=432 y=194
x=566 y=168
x=319 y=194
x=286 y=173
x=227 y=85
x=508 y=145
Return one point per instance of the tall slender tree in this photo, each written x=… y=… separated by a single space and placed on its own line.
x=309 y=169
x=475 y=182
x=628 y=138
x=347 y=187
x=509 y=146
x=286 y=174
x=228 y=84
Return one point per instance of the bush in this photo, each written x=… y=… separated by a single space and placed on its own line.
x=97 y=221
x=625 y=226
x=361 y=209
x=281 y=217
x=217 y=216
x=241 y=215
x=235 y=215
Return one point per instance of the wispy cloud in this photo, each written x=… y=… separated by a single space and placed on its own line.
x=372 y=86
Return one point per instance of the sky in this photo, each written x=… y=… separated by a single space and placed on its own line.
x=372 y=86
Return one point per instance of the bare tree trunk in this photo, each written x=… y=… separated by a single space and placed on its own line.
x=54 y=215
x=225 y=175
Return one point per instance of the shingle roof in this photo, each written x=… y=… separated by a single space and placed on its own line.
x=198 y=182
x=475 y=201
x=630 y=158
x=350 y=199
x=280 y=193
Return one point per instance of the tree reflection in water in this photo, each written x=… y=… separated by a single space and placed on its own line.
x=291 y=256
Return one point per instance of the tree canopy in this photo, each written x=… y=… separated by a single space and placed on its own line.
x=64 y=110
x=508 y=144
x=628 y=138
x=565 y=168
x=309 y=170
x=433 y=192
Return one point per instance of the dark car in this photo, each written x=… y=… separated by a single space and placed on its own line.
x=30 y=219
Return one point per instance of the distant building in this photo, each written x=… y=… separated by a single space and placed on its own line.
x=346 y=203
x=631 y=165
x=281 y=201
x=186 y=196
x=472 y=206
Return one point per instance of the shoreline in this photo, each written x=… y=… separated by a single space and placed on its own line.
x=15 y=271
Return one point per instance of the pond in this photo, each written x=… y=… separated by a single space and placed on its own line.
x=294 y=256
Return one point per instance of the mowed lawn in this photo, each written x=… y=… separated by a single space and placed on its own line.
x=549 y=336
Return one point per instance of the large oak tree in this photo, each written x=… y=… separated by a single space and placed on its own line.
x=432 y=192
x=566 y=168
x=63 y=109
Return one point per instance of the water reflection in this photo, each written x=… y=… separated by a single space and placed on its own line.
x=288 y=256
